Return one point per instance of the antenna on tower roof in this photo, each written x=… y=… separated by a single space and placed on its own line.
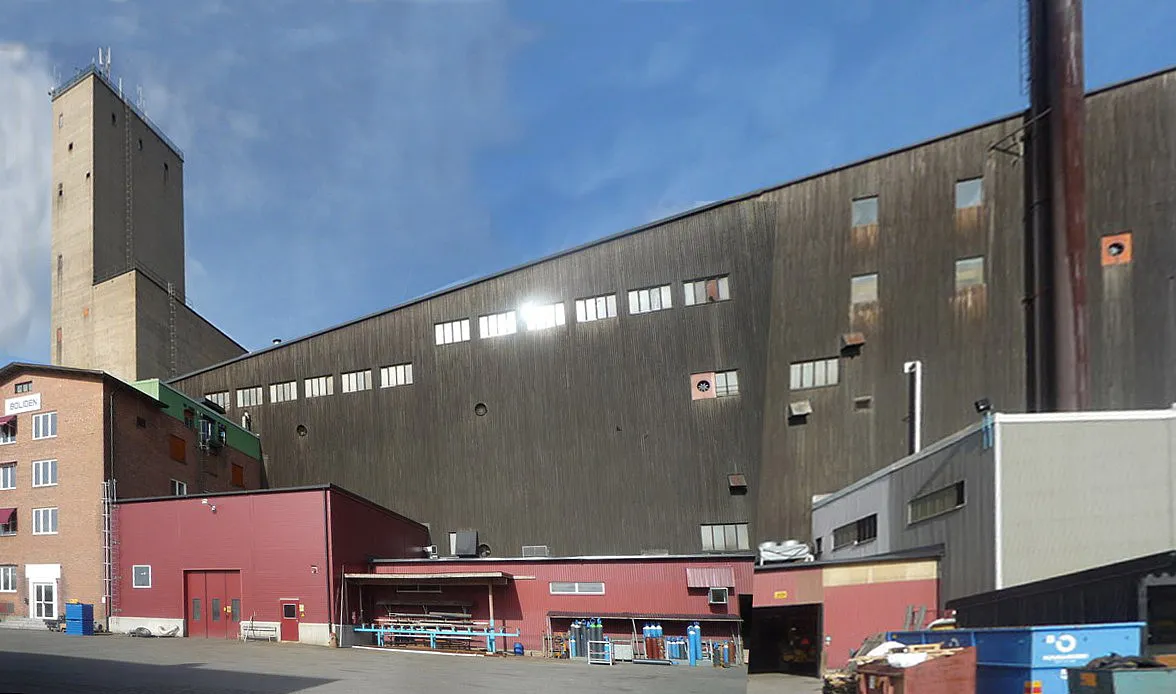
x=104 y=61
x=139 y=102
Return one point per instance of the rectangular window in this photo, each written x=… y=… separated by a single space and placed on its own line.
x=726 y=383
x=724 y=537
x=177 y=448
x=221 y=399
x=936 y=503
x=7 y=579
x=576 y=588
x=8 y=432
x=44 y=473
x=238 y=475
x=969 y=272
x=706 y=291
x=863 y=289
x=815 y=374
x=24 y=387
x=284 y=392
x=45 y=425
x=357 y=380
x=497 y=325
x=179 y=488
x=398 y=375
x=857 y=532
x=650 y=299
x=319 y=386
x=8 y=526
x=453 y=331
x=865 y=211
x=249 y=397
x=45 y=521
x=969 y=193
x=596 y=308
x=141 y=576
x=8 y=476
x=544 y=317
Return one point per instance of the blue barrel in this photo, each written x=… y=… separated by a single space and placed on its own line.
x=1032 y=658
x=518 y=648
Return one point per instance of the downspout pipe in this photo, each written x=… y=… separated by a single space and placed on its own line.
x=914 y=369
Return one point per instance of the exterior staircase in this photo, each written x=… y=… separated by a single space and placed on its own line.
x=27 y=623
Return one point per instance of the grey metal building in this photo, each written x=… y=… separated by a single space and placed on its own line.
x=559 y=403
x=1021 y=498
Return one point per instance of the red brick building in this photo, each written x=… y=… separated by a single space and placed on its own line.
x=267 y=562
x=73 y=440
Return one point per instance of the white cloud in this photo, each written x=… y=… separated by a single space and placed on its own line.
x=24 y=200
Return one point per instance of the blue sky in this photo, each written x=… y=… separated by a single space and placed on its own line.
x=342 y=157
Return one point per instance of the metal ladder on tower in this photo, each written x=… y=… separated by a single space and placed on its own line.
x=171 y=329
x=128 y=161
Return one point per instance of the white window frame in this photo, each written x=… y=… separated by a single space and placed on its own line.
x=691 y=289
x=7 y=476
x=859 y=209
x=8 y=433
x=135 y=575
x=651 y=299
x=964 y=268
x=452 y=332
x=179 y=488
x=498 y=324
x=544 y=317
x=356 y=381
x=318 y=386
x=596 y=308
x=220 y=398
x=285 y=391
x=742 y=540
x=577 y=588
x=396 y=375
x=726 y=383
x=8 y=578
x=41 y=423
x=942 y=491
x=43 y=516
x=816 y=373
x=863 y=289
x=962 y=185
x=250 y=396
x=39 y=472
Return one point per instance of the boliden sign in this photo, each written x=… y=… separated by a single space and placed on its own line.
x=25 y=403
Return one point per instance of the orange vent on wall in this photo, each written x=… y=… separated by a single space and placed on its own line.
x=1116 y=249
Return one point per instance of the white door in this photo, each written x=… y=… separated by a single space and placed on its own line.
x=44 y=601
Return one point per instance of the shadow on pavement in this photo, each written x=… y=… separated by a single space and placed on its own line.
x=34 y=673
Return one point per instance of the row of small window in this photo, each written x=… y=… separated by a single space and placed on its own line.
x=725 y=537
x=44 y=522
x=44 y=474
x=969 y=272
x=921 y=508
x=319 y=386
x=594 y=308
x=968 y=193
x=44 y=427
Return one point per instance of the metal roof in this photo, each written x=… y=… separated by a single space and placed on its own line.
x=717 y=557
x=928 y=552
x=17 y=367
x=492 y=576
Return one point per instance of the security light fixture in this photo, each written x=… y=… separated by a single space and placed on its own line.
x=983 y=405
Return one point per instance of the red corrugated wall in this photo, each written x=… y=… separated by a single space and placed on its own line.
x=851 y=613
x=645 y=586
x=276 y=540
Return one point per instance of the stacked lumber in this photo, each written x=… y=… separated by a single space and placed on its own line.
x=846 y=681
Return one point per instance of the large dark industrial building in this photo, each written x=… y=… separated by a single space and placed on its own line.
x=691 y=384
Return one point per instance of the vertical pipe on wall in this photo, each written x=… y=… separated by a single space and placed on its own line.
x=915 y=405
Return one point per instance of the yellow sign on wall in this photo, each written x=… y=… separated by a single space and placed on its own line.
x=780 y=595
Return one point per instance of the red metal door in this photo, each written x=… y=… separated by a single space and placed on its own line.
x=233 y=596
x=289 y=621
x=197 y=609
x=218 y=606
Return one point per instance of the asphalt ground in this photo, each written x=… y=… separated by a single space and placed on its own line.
x=33 y=662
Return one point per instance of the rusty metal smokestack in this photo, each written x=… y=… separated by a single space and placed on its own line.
x=1056 y=215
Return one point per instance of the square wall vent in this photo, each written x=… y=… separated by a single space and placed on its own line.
x=536 y=551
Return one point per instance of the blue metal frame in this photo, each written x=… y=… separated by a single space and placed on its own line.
x=433 y=632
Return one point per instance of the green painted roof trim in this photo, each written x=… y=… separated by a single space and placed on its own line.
x=235 y=437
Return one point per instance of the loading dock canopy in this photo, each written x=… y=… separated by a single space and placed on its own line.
x=466 y=578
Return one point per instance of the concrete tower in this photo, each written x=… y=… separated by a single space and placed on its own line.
x=118 y=241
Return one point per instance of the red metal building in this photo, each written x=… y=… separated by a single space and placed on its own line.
x=810 y=616
x=538 y=596
x=264 y=562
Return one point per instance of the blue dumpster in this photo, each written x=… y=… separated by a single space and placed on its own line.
x=79 y=619
x=1148 y=681
x=1032 y=659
